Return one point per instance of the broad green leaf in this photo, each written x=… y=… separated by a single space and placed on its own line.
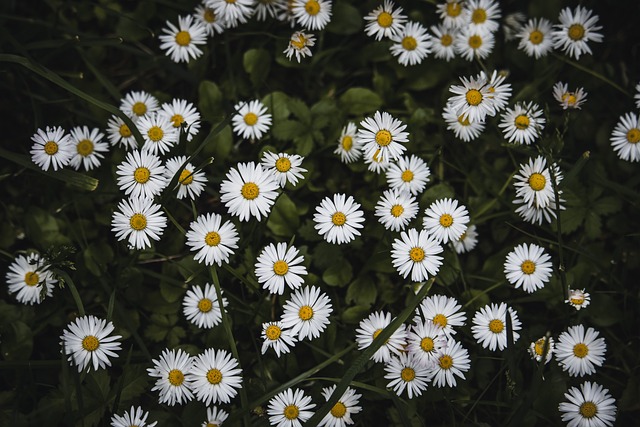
x=257 y=63
x=338 y=274
x=346 y=19
x=607 y=205
x=304 y=145
x=300 y=110
x=360 y=100
x=97 y=256
x=592 y=225
x=355 y=314
x=278 y=105
x=220 y=145
x=17 y=341
x=284 y=219
x=362 y=291
x=436 y=192
x=288 y=130
x=209 y=101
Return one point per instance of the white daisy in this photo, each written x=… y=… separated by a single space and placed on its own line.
x=473 y=43
x=284 y=167
x=251 y=120
x=266 y=8
x=248 y=191
x=490 y=326
x=348 y=145
x=376 y=163
x=277 y=266
x=213 y=240
x=337 y=220
x=499 y=89
x=578 y=298
x=51 y=148
x=483 y=14
x=141 y=174
x=452 y=361
x=119 y=134
x=274 y=336
x=589 y=406
x=215 y=377
x=190 y=182
x=88 y=343
x=211 y=22
x=528 y=266
x=535 y=214
x=460 y=125
x=31 y=278
x=396 y=209
x=138 y=219
x=442 y=311
x=232 y=12
x=181 y=42
x=158 y=133
x=289 y=408
x=412 y=44
x=567 y=99
x=382 y=135
x=473 y=100
x=285 y=12
x=137 y=104
x=445 y=220
x=535 y=37
x=533 y=183
x=135 y=418
x=625 y=137
x=340 y=414
x=299 y=44
x=384 y=20
x=453 y=13
x=576 y=28
x=579 y=352
x=425 y=340
x=415 y=253
x=200 y=306
x=215 y=417
x=408 y=174
x=182 y=115
x=307 y=313
x=312 y=14
x=637 y=96
x=172 y=371
x=542 y=348
x=522 y=124
x=467 y=241
x=443 y=38
x=89 y=147
x=369 y=329
x=512 y=25
x=407 y=372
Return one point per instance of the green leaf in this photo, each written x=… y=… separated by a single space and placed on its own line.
x=96 y=257
x=345 y=19
x=338 y=274
x=300 y=110
x=362 y=291
x=209 y=100
x=572 y=219
x=257 y=63
x=284 y=219
x=592 y=225
x=17 y=341
x=278 y=105
x=355 y=314
x=607 y=205
x=288 y=130
x=437 y=192
x=360 y=100
x=304 y=145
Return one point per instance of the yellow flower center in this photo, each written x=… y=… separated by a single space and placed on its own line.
x=397 y=210
x=212 y=238
x=383 y=137
x=177 y=120
x=142 y=175
x=214 y=376
x=280 y=267
x=250 y=190
x=209 y=15
x=474 y=97
x=31 y=278
x=298 y=44
x=440 y=320
x=250 y=119
x=51 y=148
x=496 y=326
x=464 y=120
x=445 y=361
x=186 y=177
x=446 y=40
x=183 y=38
x=85 y=147
x=446 y=220
x=426 y=344
x=537 y=181
x=138 y=222
x=407 y=176
x=588 y=409
x=409 y=43
x=479 y=16
x=339 y=410
x=305 y=312
x=416 y=254
x=528 y=267
x=579 y=300
x=536 y=37
x=376 y=333
x=347 y=143
x=124 y=130
x=208 y=425
x=576 y=32
x=291 y=412
x=155 y=133
x=283 y=164
x=176 y=377
x=407 y=374
x=338 y=218
x=312 y=7
x=273 y=332
x=139 y=108
x=633 y=136
x=205 y=305
x=475 y=42
x=385 y=20
x=522 y=122
x=580 y=350
x=230 y=1
x=539 y=346
x=454 y=9
x=90 y=343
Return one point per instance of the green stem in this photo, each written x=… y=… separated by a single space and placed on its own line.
x=72 y=287
x=593 y=73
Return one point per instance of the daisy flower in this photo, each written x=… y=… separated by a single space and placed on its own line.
x=158 y=133
x=89 y=147
x=215 y=377
x=384 y=20
x=409 y=174
x=307 y=313
x=376 y=163
x=138 y=219
x=483 y=14
x=541 y=349
x=289 y=408
x=299 y=44
x=137 y=104
x=213 y=240
x=579 y=352
x=88 y=343
x=453 y=13
x=30 y=277
x=312 y=14
x=119 y=134
x=382 y=135
x=467 y=241
x=274 y=336
x=136 y=417
x=181 y=42
x=172 y=371
x=284 y=167
x=51 y=148
x=396 y=209
x=443 y=312
x=251 y=120
x=590 y=406
x=460 y=125
x=141 y=174
x=190 y=183
x=407 y=372
x=232 y=13
x=412 y=44
x=522 y=124
x=499 y=90
x=425 y=339
x=248 y=191
x=215 y=417
x=533 y=183
x=471 y=43
x=473 y=100
x=490 y=326
x=535 y=38
x=637 y=96
x=512 y=25
x=181 y=114
x=535 y=214
x=445 y=220
x=337 y=220
x=276 y=266
x=415 y=253
x=452 y=361
x=578 y=298
x=575 y=30
x=200 y=306
x=528 y=266
x=567 y=99
x=285 y=12
x=371 y=327
x=207 y=17
x=340 y=414
x=625 y=137
x=266 y=8
x=443 y=38
x=348 y=145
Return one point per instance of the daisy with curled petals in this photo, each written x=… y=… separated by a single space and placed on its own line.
x=460 y=125
x=579 y=351
x=473 y=100
x=276 y=266
x=626 y=136
x=200 y=306
x=181 y=114
x=522 y=124
x=371 y=327
x=425 y=340
x=172 y=371
x=141 y=174
x=31 y=278
x=215 y=377
x=575 y=30
x=445 y=220
x=274 y=336
x=452 y=361
x=467 y=241
x=590 y=406
x=409 y=174
x=473 y=43
x=289 y=408
x=442 y=311
x=136 y=417
x=415 y=253
x=412 y=44
x=158 y=133
x=284 y=167
x=490 y=326
x=119 y=134
x=337 y=220
x=88 y=343
x=340 y=414
x=535 y=38
x=206 y=16
x=483 y=14
x=215 y=417
x=181 y=42
x=453 y=13
x=443 y=38
x=251 y=119
x=567 y=99
x=382 y=135
x=312 y=14
x=396 y=209
x=299 y=44
x=138 y=219
x=499 y=89
x=89 y=147
x=248 y=191
x=542 y=349
x=232 y=12
x=51 y=148
x=528 y=266
x=137 y=104
x=190 y=182
x=307 y=313
x=407 y=372
x=348 y=145
x=578 y=298
x=385 y=21
x=213 y=240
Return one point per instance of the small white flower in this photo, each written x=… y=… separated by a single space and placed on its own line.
x=371 y=327
x=567 y=99
x=266 y=8
x=528 y=266
x=408 y=174
x=533 y=183
x=443 y=38
x=542 y=349
x=396 y=209
x=119 y=134
x=51 y=148
x=141 y=174
x=215 y=417
x=626 y=136
x=340 y=414
x=337 y=220
x=307 y=313
x=579 y=351
x=453 y=13
x=284 y=167
x=137 y=104
x=289 y=408
x=251 y=120
x=31 y=278
x=213 y=240
x=211 y=22
x=385 y=21
x=452 y=361
x=445 y=220
x=276 y=266
x=312 y=14
x=415 y=253
x=138 y=219
x=467 y=241
x=442 y=311
x=407 y=372
x=535 y=37
x=136 y=417
x=473 y=100
x=299 y=44
x=89 y=147
x=181 y=42
x=425 y=340
x=215 y=377
x=275 y=336
x=376 y=163
x=490 y=326
x=522 y=124
x=348 y=145
x=412 y=44
x=589 y=406
x=88 y=343
x=181 y=114
x=382 y=135
x=200 y=306
x=576 y=28
x=248 y=190
x=461 y=126
x=232 y=13
x=483 y=14
x=190 y=182
x=499 y=89
x=172 y=371
x=158 y=133
x=578 y=299
x=474 y=43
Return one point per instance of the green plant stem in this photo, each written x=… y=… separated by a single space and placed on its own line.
x=592 y=72
x=72 y=287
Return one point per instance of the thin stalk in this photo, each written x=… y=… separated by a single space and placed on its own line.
x=72 y=287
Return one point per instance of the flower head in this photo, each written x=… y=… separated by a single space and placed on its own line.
x=522 y=124
x=578 y=298
x=395 y=209
x=137 y=104
x=408 y=174
x=141 y=175
x=289 y=408
x=575 y=30
x=533 y=182
x=215 y=417
x=626 y=136
x=88 y=146
x=542 y=348
x=213 y=240
x=535 y=37
x=299 y=44
x=182 y=115
x=251 y=120
x=232 y=13
x=385 y=20
x=51 y=148
x=136 y=417
x=415 y=253
x=579 y=351
x=340 y=414
x=443 y=38
x=442 y=311
x=467 y=241
x=138 y=219
x=382 y=136
x=348 y=148
x=88 y=343
x=181 y=42
x=371 y=327
x=452 y=361
x=337 y=220
x=406 y=372
x=248 y=190
x=190 y=183
x=460 y=125
x=473 y=100
x=567 y=99
x=412 y=44
x=284 y=167
x=276 y=337
x=312 y=14
x=31 y=278
x=119 y=134
x=276 y=266
x=307 y=312
x=445 y=220
x=591 y=405
x=215 y=377
x=172 y=370
x=490 y=326
x=206 y=16
x=200 y=306
x=528 y=266
x=158 y=133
